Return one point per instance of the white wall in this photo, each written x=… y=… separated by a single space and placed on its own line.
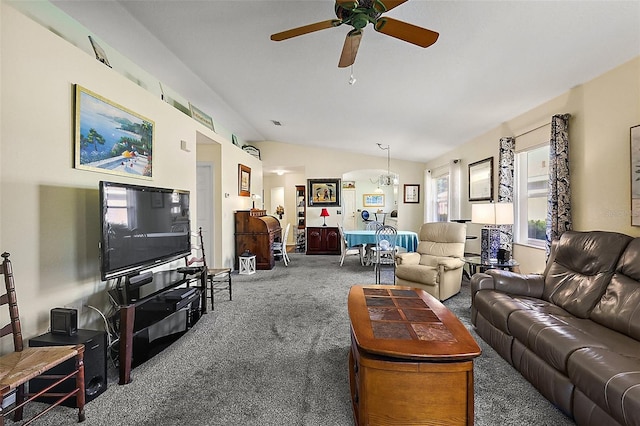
x=49 y=211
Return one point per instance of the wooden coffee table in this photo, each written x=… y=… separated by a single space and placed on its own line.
x=411 y=359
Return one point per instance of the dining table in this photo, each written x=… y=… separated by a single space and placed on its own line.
x=406 y=239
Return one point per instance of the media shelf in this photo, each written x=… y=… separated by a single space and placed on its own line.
x=152 y=308
x=301 y=218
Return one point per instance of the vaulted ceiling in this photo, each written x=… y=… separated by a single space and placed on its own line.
x=493 y=61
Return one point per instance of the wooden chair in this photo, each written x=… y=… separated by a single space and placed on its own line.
x=24 y=364
x=218 y=279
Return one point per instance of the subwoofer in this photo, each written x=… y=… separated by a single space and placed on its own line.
x=95 y=364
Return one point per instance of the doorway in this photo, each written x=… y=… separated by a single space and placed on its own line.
x=204 y=210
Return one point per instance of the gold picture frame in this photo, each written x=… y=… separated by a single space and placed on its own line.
x=373 y=200
x=110 y=138
x=244 y=180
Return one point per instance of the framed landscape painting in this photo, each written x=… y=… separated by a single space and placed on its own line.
x=373 y=200
x=110 y=138
x=324 y=192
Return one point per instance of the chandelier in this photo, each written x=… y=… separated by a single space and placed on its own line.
x=390 y=178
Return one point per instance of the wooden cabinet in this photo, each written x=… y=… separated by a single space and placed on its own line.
x=257 y=232
x=301 y=218
x=323 y=240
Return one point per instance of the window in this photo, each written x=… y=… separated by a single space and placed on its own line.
x=439 y=196
x=530 y=192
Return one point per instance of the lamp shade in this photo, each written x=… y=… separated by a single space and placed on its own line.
x=492 y=213
x=324 y=213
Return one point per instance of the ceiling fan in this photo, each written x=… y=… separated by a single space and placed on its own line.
x=358 y=14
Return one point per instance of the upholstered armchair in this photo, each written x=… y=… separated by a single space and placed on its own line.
x=436 y=266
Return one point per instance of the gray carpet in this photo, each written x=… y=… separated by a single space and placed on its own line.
x=277 y=355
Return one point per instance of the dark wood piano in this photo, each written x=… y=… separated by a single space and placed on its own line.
x=256 y=232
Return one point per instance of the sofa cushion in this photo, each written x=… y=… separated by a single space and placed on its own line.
x=619 y=308
x=417 y=273
x=550 y=337
x=496 y=306
x=583 y=266
x=609 y=379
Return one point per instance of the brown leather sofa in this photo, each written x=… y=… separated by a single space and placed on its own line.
x=574 y=331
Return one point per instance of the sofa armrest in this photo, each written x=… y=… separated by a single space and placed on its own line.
x=410 y=258
x=531 y=285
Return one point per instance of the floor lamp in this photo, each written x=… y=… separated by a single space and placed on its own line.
x=491 y=215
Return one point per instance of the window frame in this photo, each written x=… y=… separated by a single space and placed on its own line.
x=521 y=222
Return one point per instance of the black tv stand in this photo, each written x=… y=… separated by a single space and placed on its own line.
x=148 y=303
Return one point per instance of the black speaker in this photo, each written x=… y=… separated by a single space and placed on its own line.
x=64 y=321
x=95 y=364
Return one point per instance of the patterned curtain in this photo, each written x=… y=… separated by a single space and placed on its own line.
x=559 y=198
x=505 y=186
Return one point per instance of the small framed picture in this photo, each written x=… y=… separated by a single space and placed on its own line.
x=244 y=180
x=373 y=200
x=481 y=180
x=412 y=193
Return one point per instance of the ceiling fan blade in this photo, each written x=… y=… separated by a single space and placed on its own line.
x=385 y=5
x=408 y=32
x=348 y=4
x=305 y=29
x=350 y=49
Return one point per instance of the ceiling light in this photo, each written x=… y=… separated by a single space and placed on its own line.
x=390 y=178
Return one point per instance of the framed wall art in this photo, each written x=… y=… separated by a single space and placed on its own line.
x=323 y=192
x=411 y=193
x=201 y=117
x=111 y=138
x=373 y=200
x=99 y=52
x=635 y=175
x=481 y=180
x=244 y=180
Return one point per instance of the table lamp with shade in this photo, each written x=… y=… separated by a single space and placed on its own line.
x=324 y=213
x=491 y=215
x=255 y=197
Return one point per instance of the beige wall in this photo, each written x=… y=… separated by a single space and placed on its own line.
x=49 y=211
x=602 y=112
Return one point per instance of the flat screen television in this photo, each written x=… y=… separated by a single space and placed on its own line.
x=141 y=227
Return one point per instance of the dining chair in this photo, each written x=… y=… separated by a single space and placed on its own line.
x=384 y=252
x=371 y=225
x=24 y=364
x=280 y=247
x=218 y=279
x=345 y=249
